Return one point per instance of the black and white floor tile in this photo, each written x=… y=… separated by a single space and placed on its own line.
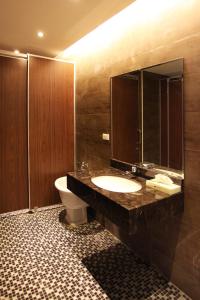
x=41 y=257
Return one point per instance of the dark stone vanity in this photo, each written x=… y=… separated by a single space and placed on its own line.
x=126 y=210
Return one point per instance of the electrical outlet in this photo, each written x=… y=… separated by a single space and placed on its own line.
x=105 y=136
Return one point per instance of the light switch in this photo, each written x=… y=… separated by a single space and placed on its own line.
x=105 y=136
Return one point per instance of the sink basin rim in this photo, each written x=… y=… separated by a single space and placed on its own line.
x=116 y=184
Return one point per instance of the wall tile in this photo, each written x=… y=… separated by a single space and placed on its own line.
x=173 y=246
x=192 y=131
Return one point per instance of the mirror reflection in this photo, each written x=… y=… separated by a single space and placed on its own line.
x=147 y=115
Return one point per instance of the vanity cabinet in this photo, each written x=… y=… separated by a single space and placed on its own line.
x=128 y=211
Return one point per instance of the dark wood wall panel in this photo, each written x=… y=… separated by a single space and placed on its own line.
x=13 y=134
x=51 y=127
x=125 y=108
x=164 y=123
x=175 y=124
x=151 y=120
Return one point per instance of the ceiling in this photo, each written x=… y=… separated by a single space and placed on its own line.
x=62 y=21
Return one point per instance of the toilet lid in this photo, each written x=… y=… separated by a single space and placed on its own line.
x=61 y=184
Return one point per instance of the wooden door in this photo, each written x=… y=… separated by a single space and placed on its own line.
x=164 y=123
x=175 y=124
x=13 y=134
x=51 y=127
x=125 y=119
x=151 y=117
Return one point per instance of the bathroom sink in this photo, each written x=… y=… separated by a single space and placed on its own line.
x=116 y=184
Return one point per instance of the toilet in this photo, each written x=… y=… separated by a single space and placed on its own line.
x=75 y=207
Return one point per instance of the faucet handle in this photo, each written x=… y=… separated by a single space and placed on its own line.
x=127 y=172
x=134 y=169
x=84 y=165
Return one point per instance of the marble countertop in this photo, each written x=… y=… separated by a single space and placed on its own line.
x=130 y=201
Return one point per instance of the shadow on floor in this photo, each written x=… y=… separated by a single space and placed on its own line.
x=83 y=229
x=122 y=275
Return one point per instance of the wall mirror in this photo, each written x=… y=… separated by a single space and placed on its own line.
x=147 y=115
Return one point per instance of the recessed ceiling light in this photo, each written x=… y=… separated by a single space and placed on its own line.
x=40 y=34
x=16 y=51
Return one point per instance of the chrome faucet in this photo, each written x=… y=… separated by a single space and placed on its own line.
x=133 y=169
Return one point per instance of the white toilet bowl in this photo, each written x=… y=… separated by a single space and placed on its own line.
x=75 y=207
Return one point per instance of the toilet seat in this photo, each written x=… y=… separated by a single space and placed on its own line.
x=61 y=184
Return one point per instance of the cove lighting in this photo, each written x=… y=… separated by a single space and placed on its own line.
x=140 y=12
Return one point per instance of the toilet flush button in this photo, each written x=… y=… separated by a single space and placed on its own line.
x=105 y=136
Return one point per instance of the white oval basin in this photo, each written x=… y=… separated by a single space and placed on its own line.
x=116 y=184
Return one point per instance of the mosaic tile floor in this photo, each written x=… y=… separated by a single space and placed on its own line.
x=43 y=258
